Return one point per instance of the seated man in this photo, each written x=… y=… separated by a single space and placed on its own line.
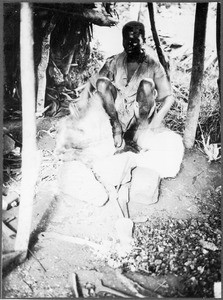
x=130 y=84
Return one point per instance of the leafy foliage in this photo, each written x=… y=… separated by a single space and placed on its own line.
x=93 y=65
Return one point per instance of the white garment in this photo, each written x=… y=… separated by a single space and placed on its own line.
x=162 y=151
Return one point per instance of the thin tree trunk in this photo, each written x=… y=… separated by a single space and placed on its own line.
x=29 y=152
x=218 y=38
x=41 y=72
x=159 y=50
x=139 y=13
x=194 y=100
x=66 y=69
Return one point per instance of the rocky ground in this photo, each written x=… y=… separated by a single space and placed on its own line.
x=177 y=241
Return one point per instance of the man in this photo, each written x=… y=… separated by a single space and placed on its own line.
x=130 y=84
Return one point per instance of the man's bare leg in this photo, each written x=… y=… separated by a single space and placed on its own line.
x=146 y=95
x=108 y=93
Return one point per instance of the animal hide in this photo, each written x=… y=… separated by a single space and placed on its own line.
x=87 y=138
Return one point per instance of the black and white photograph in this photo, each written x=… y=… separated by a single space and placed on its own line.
x=111 y=149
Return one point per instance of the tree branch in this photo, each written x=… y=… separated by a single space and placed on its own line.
x=93 y=16
x=41 y=72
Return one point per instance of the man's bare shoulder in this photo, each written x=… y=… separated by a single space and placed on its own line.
x=150 y=54
x=151 y=59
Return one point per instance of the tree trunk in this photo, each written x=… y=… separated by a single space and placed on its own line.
x=159 y=50
x=194 y=100
x=218 y=38
x=29 y=153
x=41 y=72
x=66 y=69
x=139 y=13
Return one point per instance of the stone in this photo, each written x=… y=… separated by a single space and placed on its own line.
x=144 y=186
x=217 y=290
x=77 y=180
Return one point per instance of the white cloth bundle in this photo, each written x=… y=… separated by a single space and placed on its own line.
x=162 y=151
x=115 y=169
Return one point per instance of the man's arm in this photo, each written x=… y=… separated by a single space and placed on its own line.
x=158 y=118
x=164 y=90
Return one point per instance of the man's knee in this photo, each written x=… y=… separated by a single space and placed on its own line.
x=146 y=96
x=147 y=92
x=104 y=85
x=147 y=85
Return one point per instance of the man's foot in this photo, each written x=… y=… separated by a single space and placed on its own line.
x=132 y=146
x=117 y=133
x=118 y=139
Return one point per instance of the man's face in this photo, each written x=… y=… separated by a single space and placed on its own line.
x=132 y=43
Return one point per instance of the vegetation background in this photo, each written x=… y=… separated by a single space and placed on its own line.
x=175 y=26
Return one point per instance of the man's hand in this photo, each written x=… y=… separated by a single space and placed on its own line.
x=155 y=124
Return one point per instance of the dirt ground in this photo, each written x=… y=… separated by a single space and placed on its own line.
x=58 y=221
x=47 y=273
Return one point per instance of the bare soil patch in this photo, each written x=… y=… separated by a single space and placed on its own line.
x=186 y=198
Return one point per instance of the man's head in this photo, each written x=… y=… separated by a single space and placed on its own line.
x=133 y=37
